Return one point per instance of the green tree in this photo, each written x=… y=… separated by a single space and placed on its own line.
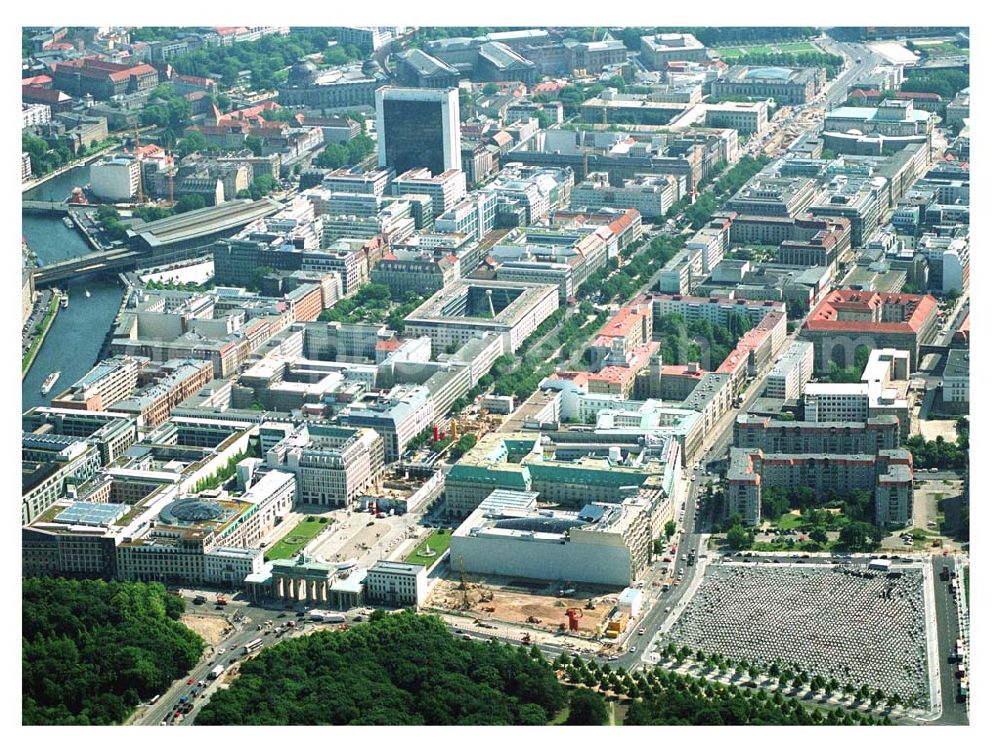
x=91 y=650
x=189 y=202
x=403 y=668
x=818 y=535
x=334 y=156
x=738 y=538
x=191 y=143
x=860 y=536
x=255 y=144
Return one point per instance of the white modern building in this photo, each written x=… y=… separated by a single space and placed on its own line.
x=466 y=309
x=393 y=584
x=445 y=189
x=791 y=372
x=602 y=543
x=656 y=51
x=475 y=214
x=397 y=416
x=955 y=382
x=35 y=114
x=651 y=195
x=115 y=179
x=333 y=465
x=881 y=391
x=746 y=117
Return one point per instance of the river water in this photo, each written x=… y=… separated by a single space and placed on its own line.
x=76 y=336
x=58 y=188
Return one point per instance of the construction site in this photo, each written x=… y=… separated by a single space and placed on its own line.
x=582 y=611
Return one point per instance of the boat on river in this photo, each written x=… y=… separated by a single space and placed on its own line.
x=50 y=381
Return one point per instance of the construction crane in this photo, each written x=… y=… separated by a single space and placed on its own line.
x=575 y=614
x=169 y=161
x=464 y=585
x=138 y=158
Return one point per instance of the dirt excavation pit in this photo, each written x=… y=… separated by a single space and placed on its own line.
x=209 y=627
x=515 y=602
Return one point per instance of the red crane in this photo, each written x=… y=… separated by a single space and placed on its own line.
x=575 y=614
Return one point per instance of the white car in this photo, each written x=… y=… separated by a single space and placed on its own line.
x=642 y=631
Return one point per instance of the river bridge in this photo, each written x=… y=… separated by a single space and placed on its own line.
x=95 y=263
x=47 y=207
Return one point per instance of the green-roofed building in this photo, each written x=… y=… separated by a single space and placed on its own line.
x=526 y=464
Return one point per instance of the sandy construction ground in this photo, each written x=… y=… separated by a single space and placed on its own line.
x=209 y=627
x=503 y=600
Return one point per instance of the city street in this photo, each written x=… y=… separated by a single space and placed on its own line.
x=228 y=652
x=946 y=611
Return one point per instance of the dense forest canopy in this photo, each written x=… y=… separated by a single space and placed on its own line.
x=92 y=650
x=399 y=669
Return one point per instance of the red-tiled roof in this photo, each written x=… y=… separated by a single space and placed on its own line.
x=503 y=138
x=681 y=371
x=824 y=318
x=550 y=86
x=617 y=374
x=917 y=96
x=36 y=80
x=224 y=129
x=388 y=345
x=624 y=320
x=92 y=67
x=150 y=149
x=577 y=377
x=194 y=80
x=44 y=95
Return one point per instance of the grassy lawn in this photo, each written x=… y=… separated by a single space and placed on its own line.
x=788 y=521
x=438 y=542
x=293 y=542
x=794 y=47
x=945 y=49
x=806 y=546
x=618 y=711
x=560 y=718
x=799 y=47
x=792 y=520
x=965 y=579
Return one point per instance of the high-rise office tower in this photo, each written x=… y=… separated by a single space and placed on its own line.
x=418 y=127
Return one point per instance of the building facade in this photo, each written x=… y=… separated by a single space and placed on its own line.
x=418 y=128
